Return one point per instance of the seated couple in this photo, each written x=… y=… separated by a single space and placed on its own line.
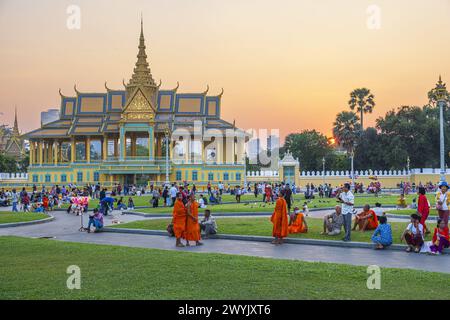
x=95 y=219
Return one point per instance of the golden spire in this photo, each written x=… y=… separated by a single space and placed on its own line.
x=142 y=74
x=16 y=126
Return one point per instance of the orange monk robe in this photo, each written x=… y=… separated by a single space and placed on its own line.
x=179 y=219
x=298 y=225
x=373 y=221
x=192 y=226
x=280 y=219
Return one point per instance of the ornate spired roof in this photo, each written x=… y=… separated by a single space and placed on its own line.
x=142 y=74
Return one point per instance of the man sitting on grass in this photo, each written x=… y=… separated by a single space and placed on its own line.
x=332 y=223
x=208 y=224
x=299 y=224
x=366 y=220
x=97 y=220
x=382 y=237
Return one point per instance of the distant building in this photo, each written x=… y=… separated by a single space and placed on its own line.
x=253 y=148
x=11 y=143
x=48 y=116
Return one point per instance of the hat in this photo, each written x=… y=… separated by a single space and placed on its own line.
x=443 y=184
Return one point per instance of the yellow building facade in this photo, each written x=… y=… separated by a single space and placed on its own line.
x=139 y=135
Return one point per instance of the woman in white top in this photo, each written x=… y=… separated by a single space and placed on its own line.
x=413 y=234
x=443 y=201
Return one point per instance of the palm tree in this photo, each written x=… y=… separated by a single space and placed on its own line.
x=363 y=101
x=346 y=131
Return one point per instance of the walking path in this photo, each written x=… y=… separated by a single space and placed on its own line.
x=65 y=228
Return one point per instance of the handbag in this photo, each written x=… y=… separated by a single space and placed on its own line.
x=170 y=230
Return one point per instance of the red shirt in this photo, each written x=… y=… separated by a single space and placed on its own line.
x=442 y=233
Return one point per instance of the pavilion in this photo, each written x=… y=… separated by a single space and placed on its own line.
x=142 y=134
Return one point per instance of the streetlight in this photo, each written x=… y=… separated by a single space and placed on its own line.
x=323 y=171
x=166 y=136
x=407 y=165
x=441 y=95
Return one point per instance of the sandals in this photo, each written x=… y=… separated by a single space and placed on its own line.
x=416 y=250
x=408 y=249
x=180 y=245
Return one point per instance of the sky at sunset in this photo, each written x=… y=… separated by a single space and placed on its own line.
x=287 y=64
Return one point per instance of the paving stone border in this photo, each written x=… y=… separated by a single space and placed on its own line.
x=26 y=223
x=330 y=243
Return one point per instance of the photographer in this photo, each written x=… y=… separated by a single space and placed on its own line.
x=347 y=199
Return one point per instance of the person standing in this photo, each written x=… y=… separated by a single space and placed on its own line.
x=173 y=194
x=15 y=200
x=192 y=225
x=179 y=219
x=347 y=199
x=423 y=208
x=443 y=201
x=288 y=197
x=280 y=221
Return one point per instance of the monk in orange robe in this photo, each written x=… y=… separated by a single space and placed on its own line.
x=192 y=225
x=366 y=220
x=299 y=225
x=179 y=219
x=280 y=221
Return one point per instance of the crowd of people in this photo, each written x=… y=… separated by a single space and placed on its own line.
x=186 y=200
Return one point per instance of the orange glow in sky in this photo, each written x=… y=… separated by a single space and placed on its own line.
x=288 y=64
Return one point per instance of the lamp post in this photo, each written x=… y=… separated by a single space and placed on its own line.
x=441 y=96
x=323 y=171
x=407 y=165
x=166 y=136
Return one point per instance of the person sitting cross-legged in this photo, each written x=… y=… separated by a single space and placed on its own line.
x=97 y=220
x=332 y=223
x=208 y=224
x=382 y=237
x=299 y=224
x=366 y=220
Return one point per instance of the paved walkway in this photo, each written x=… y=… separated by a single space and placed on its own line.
x=65 y=227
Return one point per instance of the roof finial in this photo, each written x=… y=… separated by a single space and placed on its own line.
x=16 y=127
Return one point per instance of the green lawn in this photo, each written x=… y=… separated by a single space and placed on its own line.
x=254 y=206
x=409 y=212
x=36 y=269
x=263 y=227
x=12 y=217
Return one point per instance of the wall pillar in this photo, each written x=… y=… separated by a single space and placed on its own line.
x=105 y=147
x=73 y=157
x=122 y=144
x=88 y=149
x=55 y=153
x=40 y=145
x=32 y=153
x=151 y=149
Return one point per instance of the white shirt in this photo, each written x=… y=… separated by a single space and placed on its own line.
x=443 y=199
x=378 y=211
x=347 y=197
x=173 y=192
x=413 y=229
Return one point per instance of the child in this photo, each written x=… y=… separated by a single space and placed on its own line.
x=413 y=235
x=382 y=237
x=305 y=209
x=401 y=202
x=440 y=238
x=130 y=203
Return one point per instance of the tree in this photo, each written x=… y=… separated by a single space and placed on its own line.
x=363 y=101
x=309 y=146
x=346 y=131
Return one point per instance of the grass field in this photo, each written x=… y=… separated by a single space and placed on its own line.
x=12 y=217
x=36 y=269
x=263 y=227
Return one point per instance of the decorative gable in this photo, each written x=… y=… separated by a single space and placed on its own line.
x=138 y=108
